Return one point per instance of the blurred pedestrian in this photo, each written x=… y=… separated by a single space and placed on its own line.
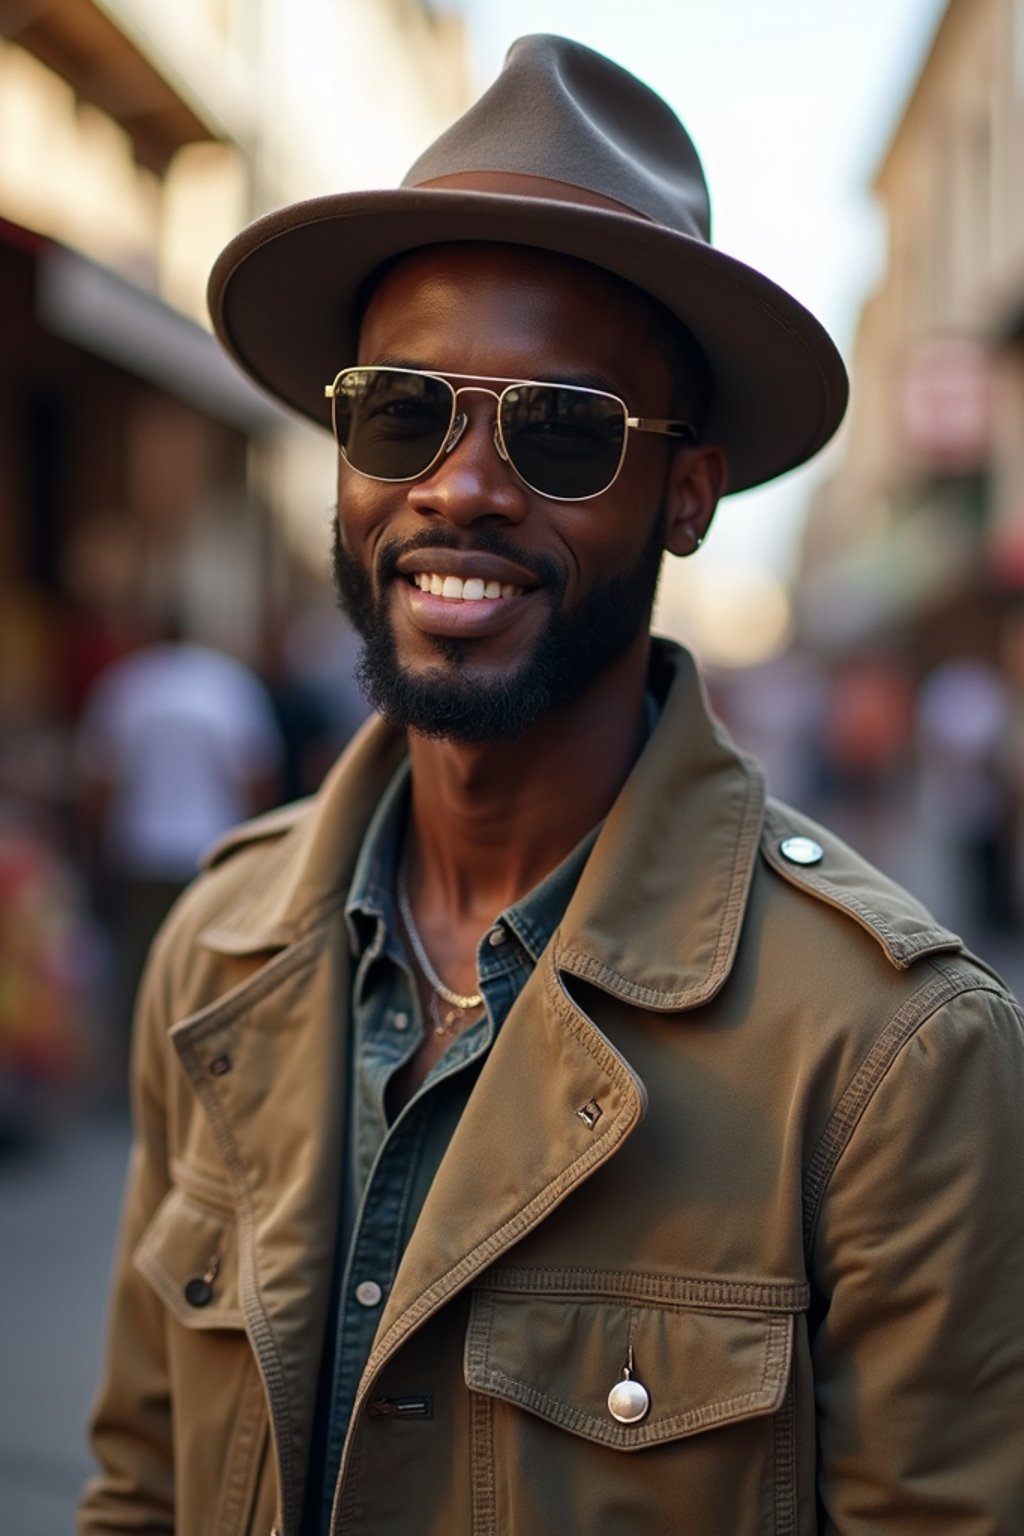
x=540 y=1131
x=176 y=743
x=961 y=720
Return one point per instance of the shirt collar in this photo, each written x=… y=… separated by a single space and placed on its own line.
x=370 y=908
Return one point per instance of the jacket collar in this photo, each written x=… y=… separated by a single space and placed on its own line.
x=656 y=916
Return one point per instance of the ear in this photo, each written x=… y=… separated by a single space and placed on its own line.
x=696 y=481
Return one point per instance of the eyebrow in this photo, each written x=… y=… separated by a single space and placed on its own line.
x=584 y=380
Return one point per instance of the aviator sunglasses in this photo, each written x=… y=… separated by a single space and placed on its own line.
x=564 y=441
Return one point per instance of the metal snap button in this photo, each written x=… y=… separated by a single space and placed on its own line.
x=497 y=937
x=801 y=850
x=628 y=1401
x=199 y=1290
x=368 y=1293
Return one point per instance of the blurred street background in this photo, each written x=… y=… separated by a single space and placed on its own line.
x=171 y=658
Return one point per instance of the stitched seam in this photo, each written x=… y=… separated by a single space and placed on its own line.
x=478 y=1346
x=900 y=946
x=784 y=1458
x=224 y=1010
x=676 y=1292
x=484 y=1513
x=350 y=1515
x=242 y=1460
x=587 y=968
x=612 y=1434
x=945 y=985
x=262 y=1335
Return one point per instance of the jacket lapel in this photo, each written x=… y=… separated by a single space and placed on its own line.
x=656 y=917
x=655 y=920
x=554 y=1101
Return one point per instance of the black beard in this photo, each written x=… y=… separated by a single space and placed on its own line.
x=449 y=701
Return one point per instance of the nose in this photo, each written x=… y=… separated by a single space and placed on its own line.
x=472 y=479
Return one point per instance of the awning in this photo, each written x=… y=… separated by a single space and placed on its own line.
x=96 y=309
x=889 y=580
x=91 y=47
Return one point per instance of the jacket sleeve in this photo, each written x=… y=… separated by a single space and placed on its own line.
x=919 y=1256
x=131 y=1423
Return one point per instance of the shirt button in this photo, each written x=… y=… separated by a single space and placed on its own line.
x=368 y=1293
x=400 y=1021
x=497 y=937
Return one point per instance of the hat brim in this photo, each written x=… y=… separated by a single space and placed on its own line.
x=282 y=297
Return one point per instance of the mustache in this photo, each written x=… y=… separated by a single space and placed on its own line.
x=487 y=541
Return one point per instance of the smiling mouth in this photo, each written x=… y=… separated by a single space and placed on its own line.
x=472 y=589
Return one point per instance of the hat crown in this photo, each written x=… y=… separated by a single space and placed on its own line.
x=562 y=112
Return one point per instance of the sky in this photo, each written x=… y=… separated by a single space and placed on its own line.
x=791 y=104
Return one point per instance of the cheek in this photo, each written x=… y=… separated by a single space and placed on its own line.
x=364 y=510
x=608 y=536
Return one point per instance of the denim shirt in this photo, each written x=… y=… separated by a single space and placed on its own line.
x=389 y=1168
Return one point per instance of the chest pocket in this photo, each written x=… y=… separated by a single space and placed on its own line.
x=189 y=1255
x=559 y=1357
x=715 y=1359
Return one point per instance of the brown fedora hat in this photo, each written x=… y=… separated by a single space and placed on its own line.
x=565 y=152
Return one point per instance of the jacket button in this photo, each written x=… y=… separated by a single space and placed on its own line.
x=198 y=1291
x=628 y=1401
x=368 y=1293
x=801 y=850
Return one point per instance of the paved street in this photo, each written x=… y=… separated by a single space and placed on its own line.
x=58 y=1214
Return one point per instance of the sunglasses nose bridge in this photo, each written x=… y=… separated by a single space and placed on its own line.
x=460 y=420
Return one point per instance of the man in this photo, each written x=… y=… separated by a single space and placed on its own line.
x=539 y=1132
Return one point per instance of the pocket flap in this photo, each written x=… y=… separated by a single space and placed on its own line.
x=559 y=1356
x=189 y=1255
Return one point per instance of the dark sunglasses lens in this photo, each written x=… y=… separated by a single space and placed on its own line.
x=566 y=443
x=390 y=424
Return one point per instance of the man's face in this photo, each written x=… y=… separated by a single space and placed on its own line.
x=577 y=579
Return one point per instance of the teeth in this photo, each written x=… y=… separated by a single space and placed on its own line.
x=472 y=590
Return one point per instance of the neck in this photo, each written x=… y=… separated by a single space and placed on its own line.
x=489 y=822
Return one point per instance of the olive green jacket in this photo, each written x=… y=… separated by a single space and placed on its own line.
x=758 y=1121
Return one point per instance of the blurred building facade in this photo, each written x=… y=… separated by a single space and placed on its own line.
x=919 y=536
x=912 y=578
x=147 y=491
x=138 y=470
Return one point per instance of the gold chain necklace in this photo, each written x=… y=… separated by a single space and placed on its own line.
x=460 y=1004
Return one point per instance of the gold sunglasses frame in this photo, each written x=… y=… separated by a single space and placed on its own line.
x=476 y=384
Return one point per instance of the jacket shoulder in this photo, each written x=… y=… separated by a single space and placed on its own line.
x=261 y=829
x=816 y=861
